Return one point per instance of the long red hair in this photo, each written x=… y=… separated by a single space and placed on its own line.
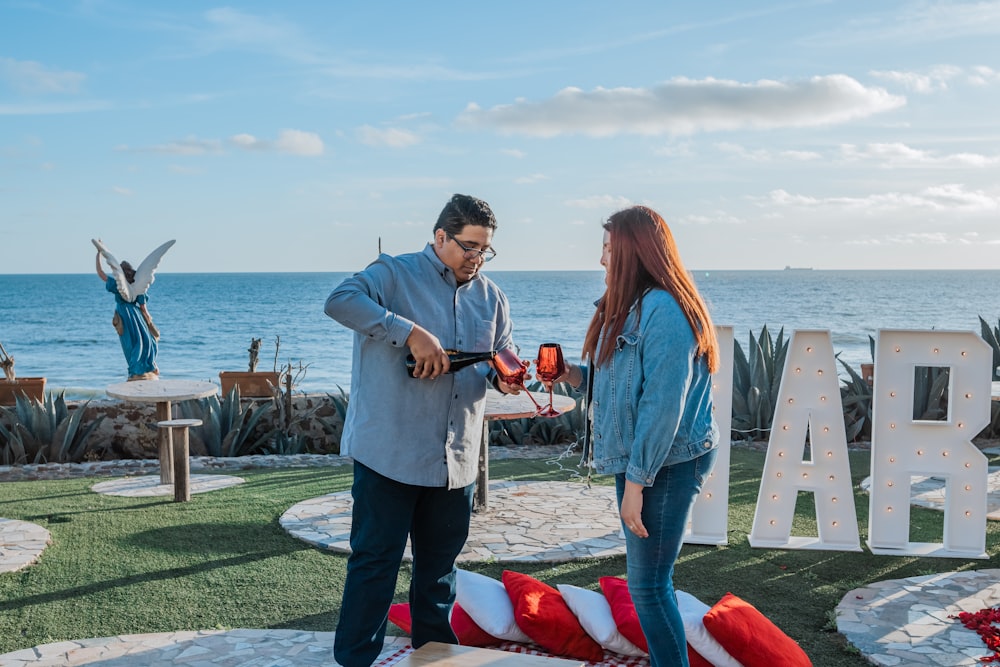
x=644 y=256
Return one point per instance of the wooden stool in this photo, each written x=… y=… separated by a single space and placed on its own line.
x=179 y=449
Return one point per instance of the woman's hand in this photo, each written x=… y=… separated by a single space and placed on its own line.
x=573 y=375
x=631 y=511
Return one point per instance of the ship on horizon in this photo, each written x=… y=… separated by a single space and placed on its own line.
x=798 y=268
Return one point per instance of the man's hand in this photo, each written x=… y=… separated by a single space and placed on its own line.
x=505 y=388
x=428 y=353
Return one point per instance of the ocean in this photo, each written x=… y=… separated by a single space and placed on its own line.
x=59 y=326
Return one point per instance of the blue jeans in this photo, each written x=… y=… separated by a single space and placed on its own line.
x=385 y=513
x=666 y=506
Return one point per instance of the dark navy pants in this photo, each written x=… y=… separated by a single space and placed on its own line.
x=385 y=513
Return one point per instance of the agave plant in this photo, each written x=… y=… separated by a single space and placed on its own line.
x=930 y=393
x=333 y=428
x=229 y=429
x=44 y=432
x=756 y=378
x=856 y=397
x=992 y=338
x=294 y=437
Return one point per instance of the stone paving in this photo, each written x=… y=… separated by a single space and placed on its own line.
x=146 y=486
x=21 y=543
x=907 y=622
x=929 y=491
x=526 y=521
x=205 y=648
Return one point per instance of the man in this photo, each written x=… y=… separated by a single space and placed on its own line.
x=415 y=440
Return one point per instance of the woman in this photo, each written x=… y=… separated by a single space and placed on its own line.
x=132 y=321
x=652 y=349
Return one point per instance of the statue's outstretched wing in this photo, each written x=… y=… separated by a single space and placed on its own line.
x=124 y=288
x=143 y=273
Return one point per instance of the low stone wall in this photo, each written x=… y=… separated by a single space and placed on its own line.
x=128 y=430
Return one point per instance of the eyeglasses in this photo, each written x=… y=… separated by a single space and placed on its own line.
x=473 y=253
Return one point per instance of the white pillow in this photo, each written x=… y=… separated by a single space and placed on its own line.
x=487 y=603
x=594 y=613
x=693 y=612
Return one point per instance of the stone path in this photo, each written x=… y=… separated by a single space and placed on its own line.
x=205 y=648
x=906 y=622
x=526 y=521
x=149 y=485
x=21 y=543
x=928 y=491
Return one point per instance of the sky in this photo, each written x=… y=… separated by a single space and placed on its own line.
x=304 y=136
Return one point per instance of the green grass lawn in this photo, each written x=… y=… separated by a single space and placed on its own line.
x=133 y=565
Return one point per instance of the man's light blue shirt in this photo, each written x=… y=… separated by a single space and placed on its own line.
x=420 y=432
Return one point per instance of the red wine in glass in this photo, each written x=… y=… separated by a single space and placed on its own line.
x=549 y=366
x=511 y=370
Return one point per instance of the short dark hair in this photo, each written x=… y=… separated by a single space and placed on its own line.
x=462 y=210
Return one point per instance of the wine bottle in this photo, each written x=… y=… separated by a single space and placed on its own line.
x=458 y=359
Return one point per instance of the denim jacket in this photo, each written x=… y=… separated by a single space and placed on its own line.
x=652 y=402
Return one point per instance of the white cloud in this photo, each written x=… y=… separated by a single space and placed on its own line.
x=938 y=77
x=392 y=137
x=297 y=142
x=764 y=155
x=292 y=142
x=944 y=198
x=715 y=218
x=600 y=201
x=982 y=75
x=686 y=106
x=513 y=152
x=759 y=155
x=247 y=141
x=52 y=109
x=675 y=149
x=119 y=190
x=911 y=239
x=947 y=20
x=901 y=155
x=533 y=178
x=935 y=79
x=802 y=156
x=189 y=146
x=232 y=29
x=28 y=76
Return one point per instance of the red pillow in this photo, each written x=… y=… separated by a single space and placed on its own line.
x=468 y=633
x=695 y=659
x=615 y=589
x=544 y=616
x=751 y=637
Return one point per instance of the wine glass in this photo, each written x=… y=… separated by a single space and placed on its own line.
x=549 y=366
x=511 y=370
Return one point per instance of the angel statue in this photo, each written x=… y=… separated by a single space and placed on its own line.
x=132 y=321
